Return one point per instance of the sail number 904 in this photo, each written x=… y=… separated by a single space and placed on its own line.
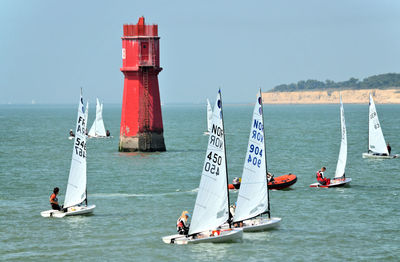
x=256 y=160
x=213 y=164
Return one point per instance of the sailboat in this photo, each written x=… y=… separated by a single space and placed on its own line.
x=211 y=209
x=376 y=142
x=253 y=207
x=340 y=178
x=75 y=197
x=98 y=130
x=209 y=117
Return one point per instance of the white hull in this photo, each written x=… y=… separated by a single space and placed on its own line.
x=334 y=183
x=371 y=155
x=71 y=137
x=72 y=211
x=261 y=224
x=224 y=236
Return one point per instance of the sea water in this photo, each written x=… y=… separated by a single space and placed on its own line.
x=139 y=196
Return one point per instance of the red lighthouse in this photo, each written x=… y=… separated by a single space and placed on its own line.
x=141 y=120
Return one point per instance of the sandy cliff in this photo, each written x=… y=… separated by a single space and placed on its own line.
x=388 y=96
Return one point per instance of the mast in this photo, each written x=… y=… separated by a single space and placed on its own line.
x=226 y=163
x=265 y=153
x=369 y=119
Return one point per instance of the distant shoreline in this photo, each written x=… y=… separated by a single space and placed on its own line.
x=361 y=96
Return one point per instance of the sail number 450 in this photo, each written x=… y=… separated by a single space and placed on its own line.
x=212 y=168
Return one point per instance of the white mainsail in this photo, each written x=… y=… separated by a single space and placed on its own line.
x=76 y=188
x=211 y=208
x=253 y=194
x=209 y=116
x=376 y=141
x=341 y=164
x=98 y=129
x=86 y=114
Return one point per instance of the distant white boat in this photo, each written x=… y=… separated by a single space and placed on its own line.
x=376 y=142
x=209 y=117
x=252 y=211
x=211 y=209
x=76 y=195
x=98 y=130
x=340 y=178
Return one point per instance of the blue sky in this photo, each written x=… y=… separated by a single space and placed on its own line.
x=49 y=49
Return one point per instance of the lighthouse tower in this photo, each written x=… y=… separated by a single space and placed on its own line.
x=141 y=120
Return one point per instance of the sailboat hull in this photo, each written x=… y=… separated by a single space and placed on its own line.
x=214 y=236
x=72 y=211
x=375 y=156
x=334 y=183
x=261 y=224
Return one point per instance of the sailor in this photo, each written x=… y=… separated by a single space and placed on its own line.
x=108 y=133
x=236 y=182
x=71 y=133
x=320 y=177
x=182 y=225
x=389 y=148
x=270 y=177
x=54 y=199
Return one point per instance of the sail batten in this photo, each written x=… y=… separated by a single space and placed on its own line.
x=76 y=187
x=376 y=140
x=253 y=193
x=211 y=207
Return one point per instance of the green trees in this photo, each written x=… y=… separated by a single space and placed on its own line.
x=389 y=80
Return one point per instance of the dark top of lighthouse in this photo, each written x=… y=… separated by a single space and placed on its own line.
x=140 y=29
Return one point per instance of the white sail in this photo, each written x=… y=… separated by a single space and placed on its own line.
x=98 y=129
x=76 y=188
x=209 y=116
x=86 y=114
x=341 y=164
x=211 y=209
x=253 y=194
x=376 y=141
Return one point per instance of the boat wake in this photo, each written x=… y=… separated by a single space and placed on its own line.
x=122 y=195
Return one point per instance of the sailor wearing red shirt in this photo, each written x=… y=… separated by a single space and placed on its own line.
x=321 y=179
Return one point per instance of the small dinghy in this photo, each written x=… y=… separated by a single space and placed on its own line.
x=340 y=179
x=211 y=209
x=252 y=211
x=376 y=142
x=209 y=117
x=98 y=130
x=280 y=182
x=75 y=197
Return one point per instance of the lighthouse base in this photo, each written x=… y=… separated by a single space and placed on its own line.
x=143 y=142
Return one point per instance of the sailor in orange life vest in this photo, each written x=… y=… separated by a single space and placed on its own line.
x=54 y=200
x=181 y=224
x=321 y=179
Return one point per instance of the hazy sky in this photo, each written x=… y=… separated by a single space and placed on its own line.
x=49 y=49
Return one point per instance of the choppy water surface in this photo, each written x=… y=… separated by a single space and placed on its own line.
x=139 y=196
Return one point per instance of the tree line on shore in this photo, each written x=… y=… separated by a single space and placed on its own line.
x=383 y=81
